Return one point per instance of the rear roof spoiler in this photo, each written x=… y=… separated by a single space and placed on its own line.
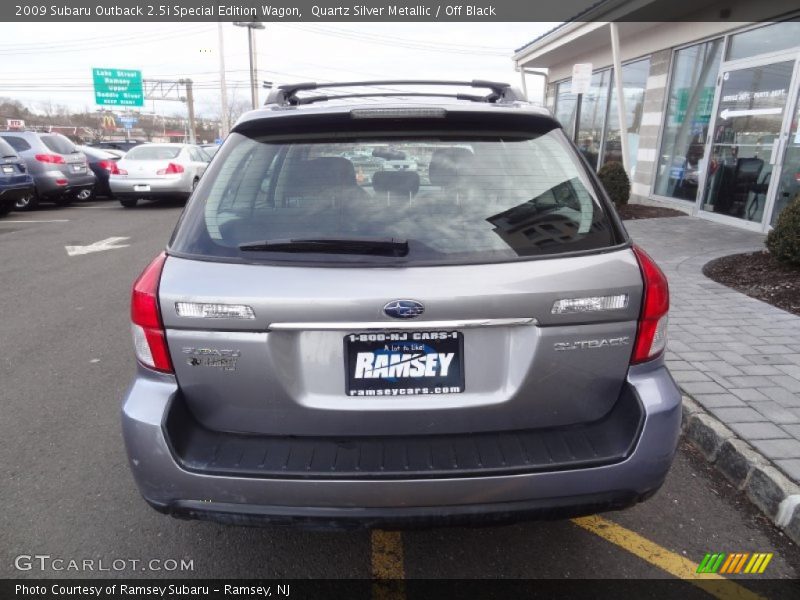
x=286 y=95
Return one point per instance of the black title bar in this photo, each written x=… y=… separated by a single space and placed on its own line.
x=379 y=10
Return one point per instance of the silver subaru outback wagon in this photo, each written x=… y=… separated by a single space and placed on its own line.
x=328 y=340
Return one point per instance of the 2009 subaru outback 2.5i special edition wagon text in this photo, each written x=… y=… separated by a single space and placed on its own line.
x=328 y=341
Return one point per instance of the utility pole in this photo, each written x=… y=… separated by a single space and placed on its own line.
x=190 y=107
x=251 y=44
x=224 y=124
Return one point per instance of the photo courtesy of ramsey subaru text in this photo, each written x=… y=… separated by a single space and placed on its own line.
x=416 y=308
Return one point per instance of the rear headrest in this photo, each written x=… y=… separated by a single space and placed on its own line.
x=323 y=172
x=396 y=182
x=447 y=164
x=334 y=170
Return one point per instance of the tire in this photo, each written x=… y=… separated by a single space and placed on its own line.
x=86 y=196
x=29 y=202
x=128 y=202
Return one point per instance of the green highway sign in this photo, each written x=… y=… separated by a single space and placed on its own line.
x=118 y=87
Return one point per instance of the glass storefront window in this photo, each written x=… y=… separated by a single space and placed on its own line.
x=634 y=82
x=565 y=106
x=789 y=184
x=691 y=99
x=593 y=113
x=771 y=38
x=593 y=117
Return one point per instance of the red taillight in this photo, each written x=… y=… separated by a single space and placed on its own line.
x=110 y=166
x=651 y=334
x=61 y=182
x=149 y=337
x=53 y=159
x=172 y=169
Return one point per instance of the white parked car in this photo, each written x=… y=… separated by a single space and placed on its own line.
x=158 y=171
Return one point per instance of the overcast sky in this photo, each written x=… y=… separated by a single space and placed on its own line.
x=52 y=62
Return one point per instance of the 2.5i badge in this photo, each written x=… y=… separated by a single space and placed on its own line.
x=404 y=363
x=211 y=357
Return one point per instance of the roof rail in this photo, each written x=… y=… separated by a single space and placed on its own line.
x=286 y=95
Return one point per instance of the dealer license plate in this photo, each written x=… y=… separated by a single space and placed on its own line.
x=406 y=363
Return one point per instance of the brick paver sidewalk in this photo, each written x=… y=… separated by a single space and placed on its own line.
x=737 y=356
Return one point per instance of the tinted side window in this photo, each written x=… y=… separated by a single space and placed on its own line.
x=19 y=144
x=58 y=143
x=6 y=150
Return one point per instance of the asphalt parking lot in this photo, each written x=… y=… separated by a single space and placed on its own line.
x=67 y=492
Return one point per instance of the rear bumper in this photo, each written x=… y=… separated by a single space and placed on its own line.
x=47 y=185
x=233 y=498
x=167 y=186
x=9 y=194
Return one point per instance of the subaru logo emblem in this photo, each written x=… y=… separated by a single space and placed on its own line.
x=404 y=309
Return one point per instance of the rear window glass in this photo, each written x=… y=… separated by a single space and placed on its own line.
x=17 y=143
x=58 y=143
x=452 y=199
x=6 y=150
x=151 y=152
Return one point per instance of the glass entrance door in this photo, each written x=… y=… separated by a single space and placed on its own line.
x=745 y=139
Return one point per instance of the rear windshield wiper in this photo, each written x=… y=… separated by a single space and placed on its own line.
x=10 y=156
x=376 y=246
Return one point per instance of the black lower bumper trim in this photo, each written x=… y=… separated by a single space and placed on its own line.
x=12 y=194
x=608 y=440
x=405 y=517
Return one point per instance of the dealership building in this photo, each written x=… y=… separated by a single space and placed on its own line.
x=710 y=102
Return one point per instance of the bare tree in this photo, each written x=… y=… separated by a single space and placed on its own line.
x=236 y=107
x=49 y=111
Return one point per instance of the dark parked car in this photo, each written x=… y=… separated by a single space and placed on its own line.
x=59 y=169
x=15 y=181
x=103 y=164
x=210 y=149
x=123 y=145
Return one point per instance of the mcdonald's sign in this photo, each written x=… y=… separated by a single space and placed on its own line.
x=735 y=563
x=109 y=122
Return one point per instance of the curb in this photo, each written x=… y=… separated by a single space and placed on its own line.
x=766 y=487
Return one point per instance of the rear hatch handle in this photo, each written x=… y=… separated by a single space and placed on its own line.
x=404 y=325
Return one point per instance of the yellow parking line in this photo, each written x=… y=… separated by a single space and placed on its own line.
x=386 y=550
x=387 y=554
x=668 y=561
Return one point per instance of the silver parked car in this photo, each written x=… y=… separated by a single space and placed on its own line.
x=157 y=171
x=475 y=340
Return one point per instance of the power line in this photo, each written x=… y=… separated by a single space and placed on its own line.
x=118 y=41
x=398 y=42
x=71 y=42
